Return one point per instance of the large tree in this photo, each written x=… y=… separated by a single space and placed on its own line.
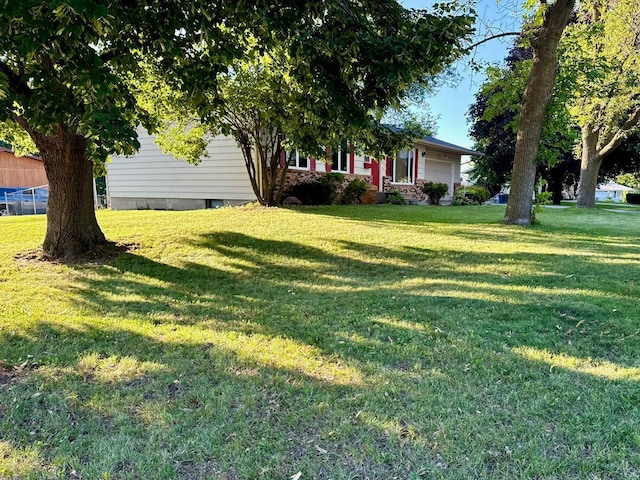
x=65 y=71
x=271 y=99
x=601 y=54
x=537 y=93
x=62 y=72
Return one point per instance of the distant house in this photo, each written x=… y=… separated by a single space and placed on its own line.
x=153 y=180
x=612 y=191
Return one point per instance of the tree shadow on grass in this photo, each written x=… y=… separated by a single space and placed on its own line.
x=355 y=361
x=322 y=298
x=580 y=228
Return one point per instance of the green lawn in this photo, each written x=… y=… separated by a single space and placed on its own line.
x=370 y=342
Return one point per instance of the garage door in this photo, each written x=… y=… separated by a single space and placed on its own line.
x=439 y=172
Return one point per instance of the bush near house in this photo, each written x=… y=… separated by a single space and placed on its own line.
x=354 y=191
x=396 y=198
x=633 y=198
x=435 y=191
x=323 y=191
x=473 y=195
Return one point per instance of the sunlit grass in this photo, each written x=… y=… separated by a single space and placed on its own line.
x=597 y=367
x=339 y=342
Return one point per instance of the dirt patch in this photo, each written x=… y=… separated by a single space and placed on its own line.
x=101 y=255
x=9 y=374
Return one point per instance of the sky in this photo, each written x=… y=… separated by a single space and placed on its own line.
x=451 y=103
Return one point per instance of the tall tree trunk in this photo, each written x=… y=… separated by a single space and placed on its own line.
x=589 y=168
x=534 y=104
x=72 y=228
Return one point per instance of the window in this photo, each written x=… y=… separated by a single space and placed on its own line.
x=296 y=160
x=403 y=167
x=340 y=159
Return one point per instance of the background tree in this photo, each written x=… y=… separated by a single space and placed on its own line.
x=271 y=99
x=545 y=37
x=495 y=116
x=601 y=52
x=64 y=71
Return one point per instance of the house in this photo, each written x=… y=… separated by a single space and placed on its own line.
x=153 y=180
x=612 y=191
x=21 y=174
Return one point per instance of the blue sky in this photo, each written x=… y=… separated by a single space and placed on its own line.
x=451 y=103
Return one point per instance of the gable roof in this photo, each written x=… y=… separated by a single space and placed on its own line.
x=614 y=187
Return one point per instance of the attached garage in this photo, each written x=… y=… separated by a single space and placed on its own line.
x=439 y=171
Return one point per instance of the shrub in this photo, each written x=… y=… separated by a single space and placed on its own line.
x=333 y=181
x=460 y=199
x=633 y=198
x=396 y=198
x=543 y=198
x=473 y=195
x=354 y=191
x=435 y=191
x=312 y=193
x=318 y=192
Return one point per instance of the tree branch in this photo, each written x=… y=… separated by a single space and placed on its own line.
x=618 y=137
x=110 y=55
x=15 y=82
x=493 y=37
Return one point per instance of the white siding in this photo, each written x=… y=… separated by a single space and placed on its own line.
x=152 y=174
x=358 y=167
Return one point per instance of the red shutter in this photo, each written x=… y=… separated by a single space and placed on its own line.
x=327 y=165
x=283 y=158
x=312 y=164
x=388 y=166
x=352 y=159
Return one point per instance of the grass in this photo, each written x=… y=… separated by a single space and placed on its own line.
x=339 y=342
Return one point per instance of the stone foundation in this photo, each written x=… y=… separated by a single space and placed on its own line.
x=295 y=177
x=410 y=192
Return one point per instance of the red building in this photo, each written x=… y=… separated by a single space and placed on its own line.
x=20 y=172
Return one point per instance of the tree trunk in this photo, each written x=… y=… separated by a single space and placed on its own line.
x=534 y=104
x=589 y=168
x=555 y=183
x=72 y=228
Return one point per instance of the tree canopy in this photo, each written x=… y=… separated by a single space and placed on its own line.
x=66 y=69
x=593 y=108
x=272 y=97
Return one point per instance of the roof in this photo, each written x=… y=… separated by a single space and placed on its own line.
x=443 y=146
x=614 y=187
x=437 y=144
x=8 y=150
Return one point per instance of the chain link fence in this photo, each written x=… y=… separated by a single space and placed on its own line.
x=30 y=201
